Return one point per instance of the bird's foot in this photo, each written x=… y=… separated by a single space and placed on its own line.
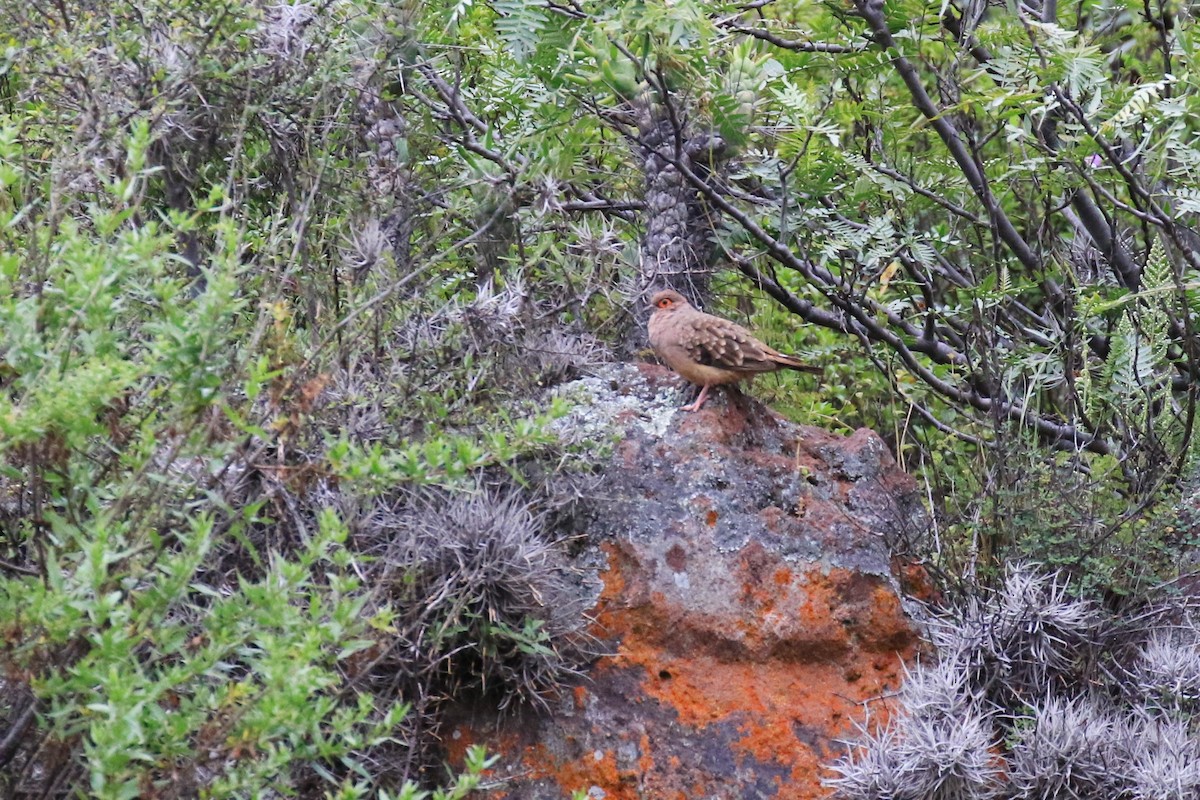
x=699 y=401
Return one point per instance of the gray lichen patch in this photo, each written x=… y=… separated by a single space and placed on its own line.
x=606 y=403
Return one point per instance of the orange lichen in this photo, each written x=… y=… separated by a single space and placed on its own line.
x=580 y=773
x=580 y=696
x=729 y=668
x=645 y=760
x=769 y=697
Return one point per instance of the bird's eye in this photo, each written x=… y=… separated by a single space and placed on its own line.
x=664 y=303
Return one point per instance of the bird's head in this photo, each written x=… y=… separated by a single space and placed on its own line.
x=668 y=299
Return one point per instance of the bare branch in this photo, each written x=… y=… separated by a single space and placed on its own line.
x=872 y=12
x=864 y=314
x=794 y=45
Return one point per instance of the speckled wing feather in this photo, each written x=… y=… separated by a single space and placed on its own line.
x=720 y=343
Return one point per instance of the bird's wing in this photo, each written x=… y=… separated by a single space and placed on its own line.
x=720 y=343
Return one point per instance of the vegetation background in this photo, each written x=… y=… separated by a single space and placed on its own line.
x=281 y=285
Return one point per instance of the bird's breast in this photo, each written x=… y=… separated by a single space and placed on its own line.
x=668 y=338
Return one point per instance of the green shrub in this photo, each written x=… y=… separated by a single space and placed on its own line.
x=182 y=335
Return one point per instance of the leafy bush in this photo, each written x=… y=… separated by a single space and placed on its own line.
x=207 y=390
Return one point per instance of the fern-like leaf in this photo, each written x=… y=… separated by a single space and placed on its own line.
x=1137 y=106
x=518 y=24
x=459 y=11
x=1118 y=373
x=1158 y=268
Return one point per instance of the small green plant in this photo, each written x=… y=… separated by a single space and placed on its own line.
x=475 y=764
x=447 y=460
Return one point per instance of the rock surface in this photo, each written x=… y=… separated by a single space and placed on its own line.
x=749 y=607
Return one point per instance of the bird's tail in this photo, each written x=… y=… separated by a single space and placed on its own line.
x=791 y=362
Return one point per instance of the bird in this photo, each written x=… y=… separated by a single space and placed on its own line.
x=709 y=351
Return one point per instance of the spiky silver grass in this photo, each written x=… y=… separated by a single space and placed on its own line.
x=1164 y=762
x=486 y=597
x=1037 y=694
x=365 y=244
x=282 y=31
x=916 y=756
x=1026 y=636
x=522 y=341
x=1066 y=748
x=1167 y=671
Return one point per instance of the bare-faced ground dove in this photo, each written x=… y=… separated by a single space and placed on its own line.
x=707 y=350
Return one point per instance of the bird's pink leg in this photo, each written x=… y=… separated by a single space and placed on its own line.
x=699 y=400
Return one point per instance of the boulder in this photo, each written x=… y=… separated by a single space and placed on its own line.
x=750 y=613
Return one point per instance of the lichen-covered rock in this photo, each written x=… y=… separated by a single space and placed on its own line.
x=749 y=605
